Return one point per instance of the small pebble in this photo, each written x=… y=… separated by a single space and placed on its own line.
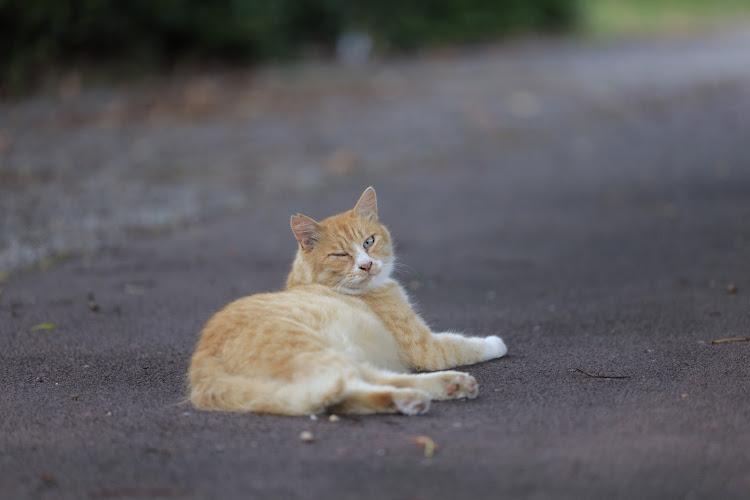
x=732 y=289
x=333 y=418
x=313 y=417
x=94 y=306
x=306 y=437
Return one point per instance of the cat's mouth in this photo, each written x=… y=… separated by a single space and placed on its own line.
x=362 y=281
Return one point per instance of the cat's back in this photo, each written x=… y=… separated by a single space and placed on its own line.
x=313 y=306
x=304 y=318
x=301 y=302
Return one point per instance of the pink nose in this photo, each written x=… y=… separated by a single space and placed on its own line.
x=366 y=267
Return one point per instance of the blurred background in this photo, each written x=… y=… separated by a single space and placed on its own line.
x=101 y=39
x=121 y=119
x=141 y=35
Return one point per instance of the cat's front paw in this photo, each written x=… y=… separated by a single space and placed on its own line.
x=494 y=347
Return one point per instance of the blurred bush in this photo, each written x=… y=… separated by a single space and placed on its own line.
x=39 y=34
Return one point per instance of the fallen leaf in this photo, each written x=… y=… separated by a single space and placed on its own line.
x=430 y=447
x=42 y=326
x=48 y=479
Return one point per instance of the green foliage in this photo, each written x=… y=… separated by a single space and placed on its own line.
x=643 y=17
x=38 y=34
x=415 y=23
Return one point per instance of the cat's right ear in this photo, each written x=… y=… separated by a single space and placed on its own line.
x=306 y=230
x=367 y=206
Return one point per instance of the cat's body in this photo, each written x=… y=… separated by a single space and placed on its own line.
x=342 y=336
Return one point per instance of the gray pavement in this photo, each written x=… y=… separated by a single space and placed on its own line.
x=589 y=204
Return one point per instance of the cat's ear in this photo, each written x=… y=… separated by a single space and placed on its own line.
x=306 y=230
x=367 y=206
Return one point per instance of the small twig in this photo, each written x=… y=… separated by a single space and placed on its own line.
x=722 y=341
x=601 y=376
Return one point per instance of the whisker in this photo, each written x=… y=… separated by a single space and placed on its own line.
x=399 y=267
x=341 y=284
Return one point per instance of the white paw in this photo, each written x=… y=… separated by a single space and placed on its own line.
x=412 y=402
x=494 y=347
x=462 y=385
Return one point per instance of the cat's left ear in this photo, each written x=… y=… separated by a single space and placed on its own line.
x=367 y=206
x=306 y=230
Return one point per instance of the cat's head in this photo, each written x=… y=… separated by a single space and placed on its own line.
x=349 y=252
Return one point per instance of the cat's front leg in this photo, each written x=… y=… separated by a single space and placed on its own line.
x=494 y=347
x=445 y=350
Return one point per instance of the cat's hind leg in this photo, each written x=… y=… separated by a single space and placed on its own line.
x=300 y=384
x=263 y=395
x=361 y=397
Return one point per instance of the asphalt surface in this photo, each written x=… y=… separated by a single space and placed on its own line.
x=588 y=204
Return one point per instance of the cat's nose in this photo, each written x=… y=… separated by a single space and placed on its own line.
x=366 y=267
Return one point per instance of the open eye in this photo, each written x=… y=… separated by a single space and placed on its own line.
x=369 y=241
x=338 y=254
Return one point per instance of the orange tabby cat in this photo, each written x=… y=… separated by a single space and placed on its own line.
x=341 y=337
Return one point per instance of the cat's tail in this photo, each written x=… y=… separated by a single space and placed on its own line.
x=243 y=393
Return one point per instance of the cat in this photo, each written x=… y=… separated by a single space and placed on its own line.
x=342 y=337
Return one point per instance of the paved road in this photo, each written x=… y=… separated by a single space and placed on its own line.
x=588 y=204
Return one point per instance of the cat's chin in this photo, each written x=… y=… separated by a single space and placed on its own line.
x=369 y=282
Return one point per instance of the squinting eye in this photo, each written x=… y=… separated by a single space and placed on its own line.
x=369 y=241
x=340 y=254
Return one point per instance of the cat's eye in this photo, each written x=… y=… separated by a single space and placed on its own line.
x=338 y=254
x=369 y=241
